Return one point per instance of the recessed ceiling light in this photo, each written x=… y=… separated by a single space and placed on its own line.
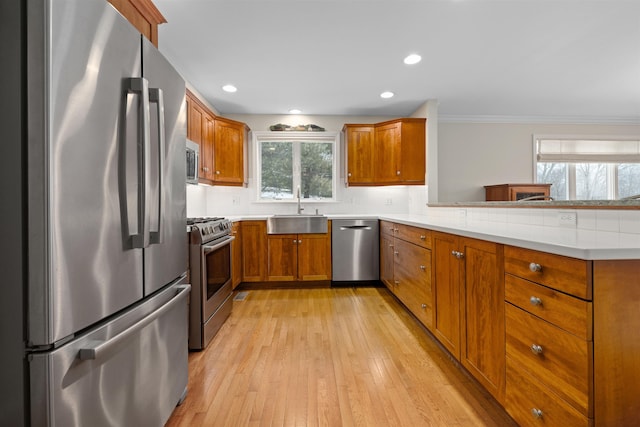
x=386 y=95
x=295 y=111
x=229 y=88
x=412 y=59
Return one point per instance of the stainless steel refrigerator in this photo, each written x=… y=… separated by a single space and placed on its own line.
x=101 y=173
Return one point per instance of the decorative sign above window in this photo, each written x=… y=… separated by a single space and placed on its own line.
x=299 y=128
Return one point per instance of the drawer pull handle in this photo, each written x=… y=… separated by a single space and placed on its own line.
x=535 y=268
x=424 y=306
x=535 y=301
x=536 y=349
x=537 y=413
x=423 y=268
x=423 y=237
x=396 y=282
x=396 y=253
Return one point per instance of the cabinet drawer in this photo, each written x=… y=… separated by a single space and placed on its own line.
x=569 y=313
x=560 y=360
x=387 y=227
x=526 y=396
x=569 y=275
x=412 y=277
x=415 y=235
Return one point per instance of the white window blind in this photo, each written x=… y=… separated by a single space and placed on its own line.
x=587 y=151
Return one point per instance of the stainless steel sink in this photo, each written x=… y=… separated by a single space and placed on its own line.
x=297 y=224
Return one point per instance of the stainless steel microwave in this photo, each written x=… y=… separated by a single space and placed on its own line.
x=193 y=157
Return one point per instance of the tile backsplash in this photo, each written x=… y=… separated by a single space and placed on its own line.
x=619 y=221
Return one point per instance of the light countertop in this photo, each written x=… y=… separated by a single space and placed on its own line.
x=572 y=242
x=567 y=241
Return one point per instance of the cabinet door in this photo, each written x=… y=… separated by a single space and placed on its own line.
x=412 y=273
x=386 y=260
x=206 y=147
x=359 y=141
x=236 y=255
x=314 y=256
x=194 y=128
x=386 y=157
x=228 y=156
x=254 y=250
x=282 y=257
x=413 y=155
x=483 y=317
x=446 y=286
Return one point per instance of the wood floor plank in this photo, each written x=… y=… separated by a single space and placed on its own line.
x=329 y=357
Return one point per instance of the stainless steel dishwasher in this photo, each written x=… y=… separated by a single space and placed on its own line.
x=355 y=250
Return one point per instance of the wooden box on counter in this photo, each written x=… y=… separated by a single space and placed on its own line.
x=513 y=192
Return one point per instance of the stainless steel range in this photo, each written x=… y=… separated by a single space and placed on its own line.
x=210 y=265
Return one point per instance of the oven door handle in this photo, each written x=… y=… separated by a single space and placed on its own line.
x=210 y=248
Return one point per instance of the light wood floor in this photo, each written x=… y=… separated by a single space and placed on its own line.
x=328 y=357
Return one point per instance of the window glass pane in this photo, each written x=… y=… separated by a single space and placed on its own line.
x=591 y=181
x=555 y=174
x=628 y=179
x=316 y=160
x=277 y=170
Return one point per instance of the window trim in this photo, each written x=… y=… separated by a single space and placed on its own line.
x=612 y=187
x=292 y=136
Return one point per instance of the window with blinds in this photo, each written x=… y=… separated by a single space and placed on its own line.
x=588 y=169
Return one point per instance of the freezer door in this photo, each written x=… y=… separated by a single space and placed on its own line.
x=166 y=256
x=84 y=132
x=129 y=372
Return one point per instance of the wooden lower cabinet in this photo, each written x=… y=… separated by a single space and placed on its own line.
x=236 y=255
x=572 y=329
x=405 y=267
x=468 y=282
x=254 y=251
x=386 y=259
x=412 y=280
x=304 y=257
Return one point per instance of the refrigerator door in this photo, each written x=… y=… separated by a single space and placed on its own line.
x=131 y=371
x=84 y=198
x=166 y=256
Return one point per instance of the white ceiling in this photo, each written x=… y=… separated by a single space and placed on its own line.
x=576 y=59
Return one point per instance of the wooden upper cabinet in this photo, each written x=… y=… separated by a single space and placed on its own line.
x=143 y=15
x=387 y=153
x=229 y=152
x=359 y=151
x=223 y=144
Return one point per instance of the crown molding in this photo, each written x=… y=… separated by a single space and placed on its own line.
x=605 y=120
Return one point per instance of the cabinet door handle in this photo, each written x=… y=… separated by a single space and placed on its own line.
x=423 y=268
x=396 y=253
x=535 y=301
x=535 y=268
x=396 y=282
x=537 y=413
x=423 y=237
x=424 y=306
x=398 y=173
x=536 y=349
x=457 y=254
x=217 y=172
x=349 y=174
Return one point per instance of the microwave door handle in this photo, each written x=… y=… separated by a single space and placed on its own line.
x=137 y=86
x=207 y=249
x=156 y=97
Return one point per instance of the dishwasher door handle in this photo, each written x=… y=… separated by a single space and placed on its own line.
x=356 y=227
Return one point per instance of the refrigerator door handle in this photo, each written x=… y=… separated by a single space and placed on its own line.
x=156 y=97
x=140 y=86
x=99 y=349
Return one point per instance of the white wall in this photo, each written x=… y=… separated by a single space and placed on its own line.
x=472 y=155
x=227 y=201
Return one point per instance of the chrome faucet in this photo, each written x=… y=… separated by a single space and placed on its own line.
x=300 y=208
